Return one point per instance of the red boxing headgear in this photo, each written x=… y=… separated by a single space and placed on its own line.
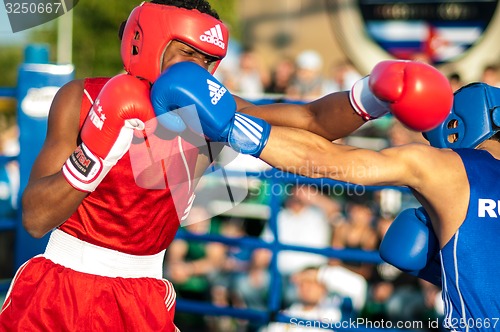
x=150 y=27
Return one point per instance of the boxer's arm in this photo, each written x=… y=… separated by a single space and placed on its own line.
x=49 y=199
x=331 y=116
x=416 y=93
x=302 y=152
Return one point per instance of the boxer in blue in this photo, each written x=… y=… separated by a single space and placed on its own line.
x=469 y=270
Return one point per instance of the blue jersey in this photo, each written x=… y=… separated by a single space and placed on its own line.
x=471 y=259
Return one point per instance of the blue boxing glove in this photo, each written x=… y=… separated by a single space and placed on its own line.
x=187 y=95
x=411 y=245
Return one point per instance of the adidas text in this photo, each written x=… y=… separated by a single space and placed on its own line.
x=218 y=95
x=216 y=91
x=214 y=36
x=213 y=40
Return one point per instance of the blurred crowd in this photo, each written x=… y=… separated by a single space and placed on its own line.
x=307 y=76
x=299 y=78
x=312 y=286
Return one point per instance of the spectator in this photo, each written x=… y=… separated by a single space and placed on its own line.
x=249 y=79
x=225 y=288
x=281 y=77
x=331 y=206
x=314 y=302
x=301 y=216
x=491 y=75
x=236 y=262
x=308 y=82
x=455 y=81
x=356 y=233
x=393 y=295
x=433 y=301
x=351 y=286
x=190 y=266
x=253 y=286
x=343 y=75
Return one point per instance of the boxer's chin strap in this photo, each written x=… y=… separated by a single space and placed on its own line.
x=493 y=101
x=495 y=117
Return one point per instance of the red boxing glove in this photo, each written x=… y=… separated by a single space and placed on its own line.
x=123 y=105
x=417 y=94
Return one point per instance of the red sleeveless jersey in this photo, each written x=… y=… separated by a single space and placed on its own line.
x=136 y=208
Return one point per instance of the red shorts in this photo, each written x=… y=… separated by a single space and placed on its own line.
x=45 y=296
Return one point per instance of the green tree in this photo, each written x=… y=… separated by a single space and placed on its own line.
x=96 y=46
x=10 y=58
x=228 y=14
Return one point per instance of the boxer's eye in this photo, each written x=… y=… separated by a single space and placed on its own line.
x=196 y=55
x=188 y=53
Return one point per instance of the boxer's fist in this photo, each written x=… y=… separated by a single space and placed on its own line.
x=416 y=93
x=122 y=106
x=187 y=95
x=410 y=244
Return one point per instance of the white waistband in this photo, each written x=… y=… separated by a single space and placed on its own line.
x=85 y=257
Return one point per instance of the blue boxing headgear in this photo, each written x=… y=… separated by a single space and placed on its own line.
x=474 y=118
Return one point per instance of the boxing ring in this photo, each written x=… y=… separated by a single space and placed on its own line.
x=36 y=75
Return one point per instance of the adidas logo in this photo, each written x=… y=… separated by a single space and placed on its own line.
x=214 y=36
x=216 y=91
